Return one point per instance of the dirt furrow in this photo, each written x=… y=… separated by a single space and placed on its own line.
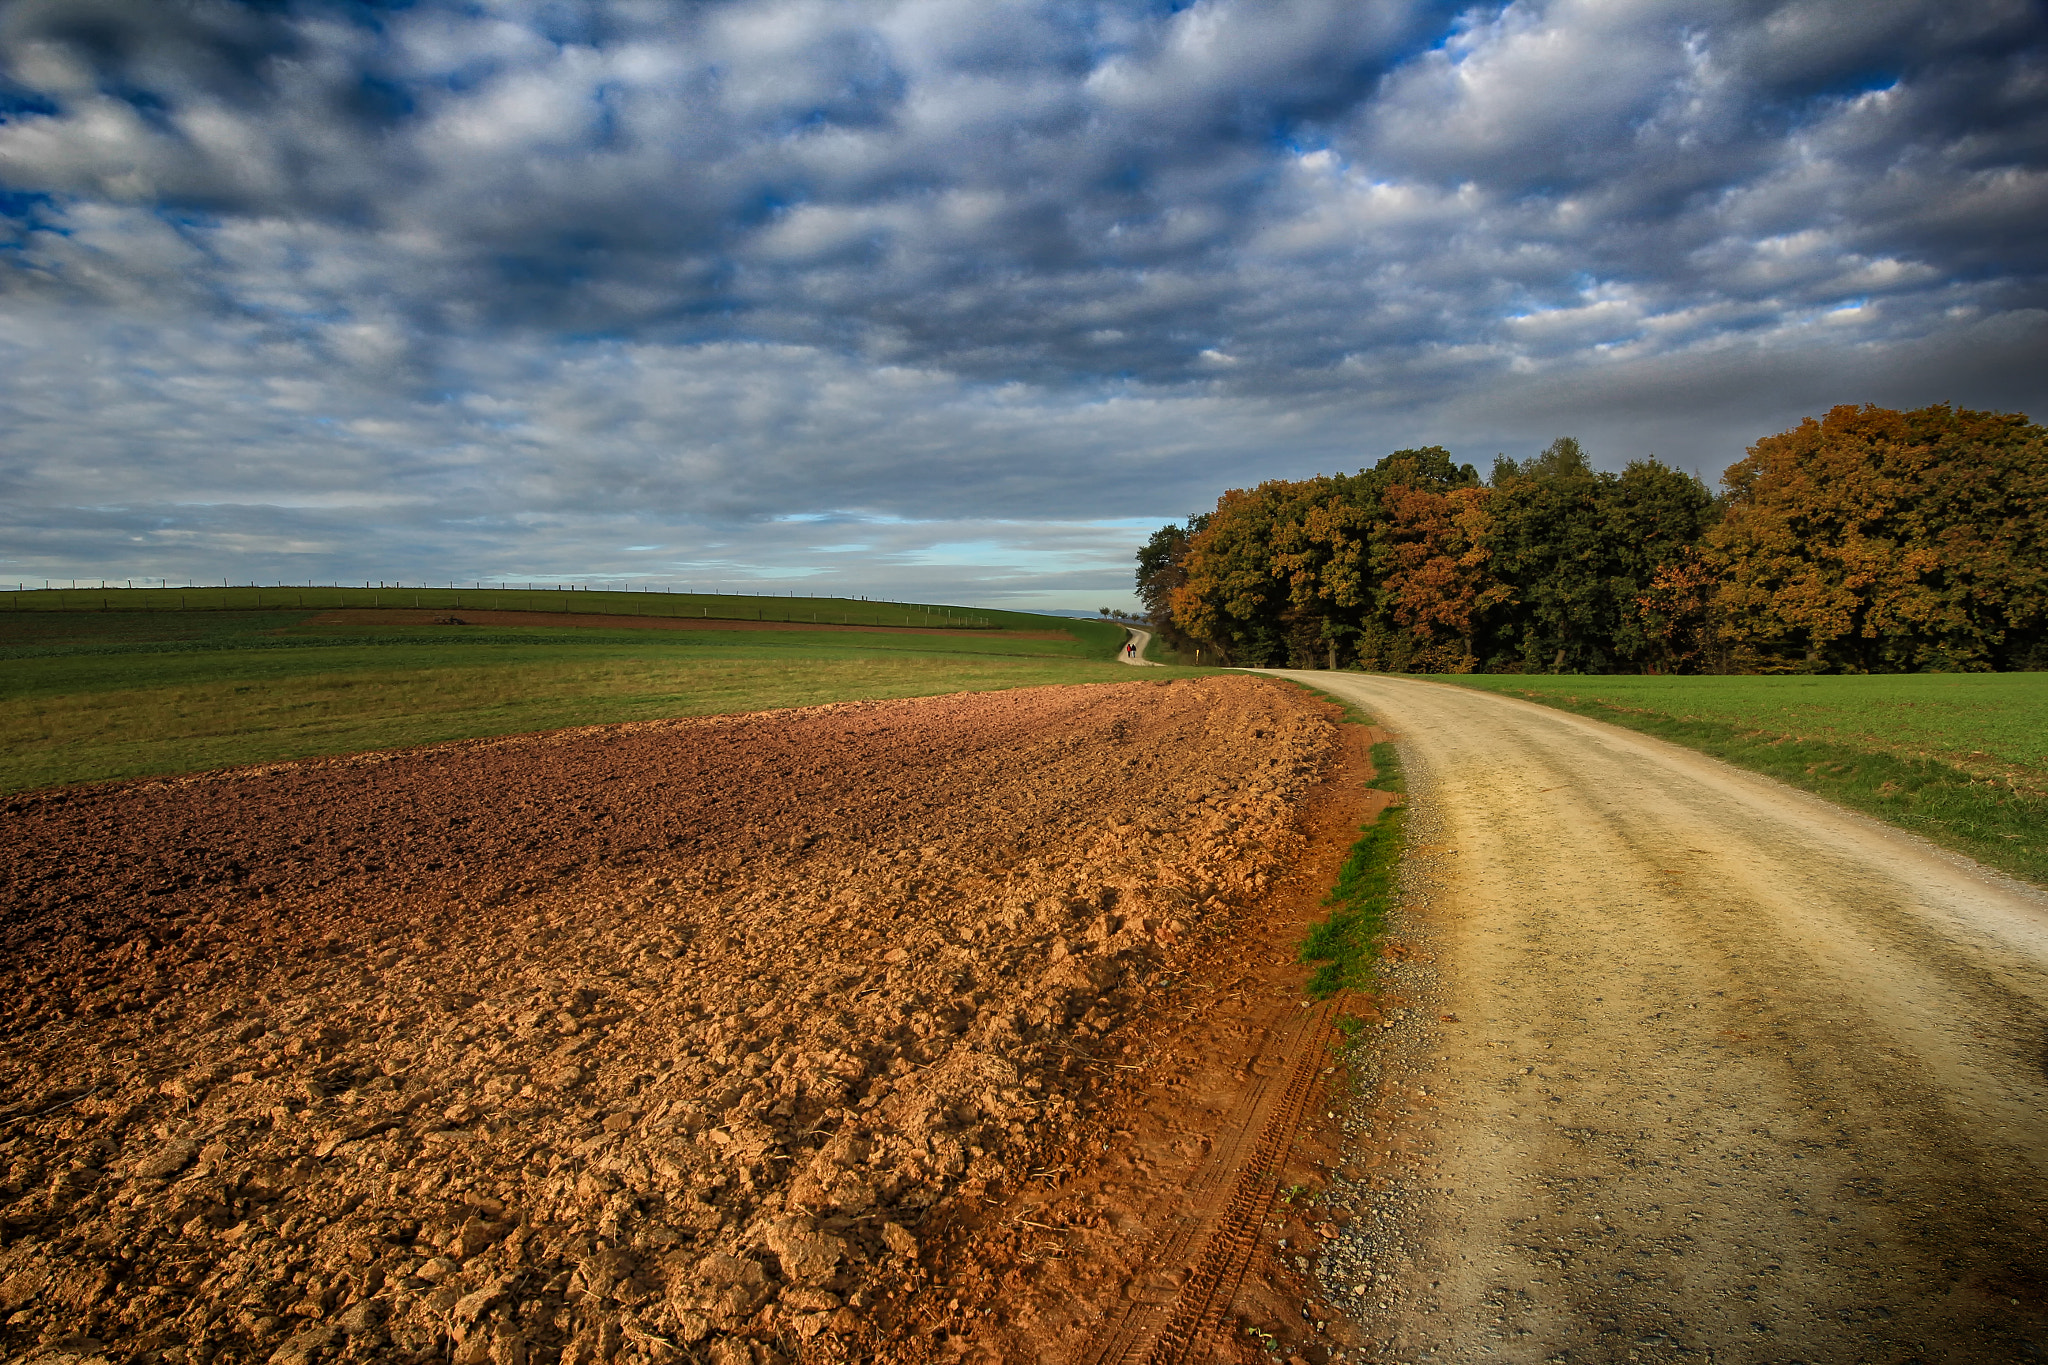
x=1179 y=1229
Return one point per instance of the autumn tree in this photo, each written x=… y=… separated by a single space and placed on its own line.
x=1877 y=540
x=1332 y=550
x=1228 y=599
x=1437 y=581
x=1322 y=544
x=1677 y=616
x=1285 y=573
x=1655 y=518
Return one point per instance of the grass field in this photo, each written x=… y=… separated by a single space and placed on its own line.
x=840 y=611
x=94 y=694
x=1960 y=758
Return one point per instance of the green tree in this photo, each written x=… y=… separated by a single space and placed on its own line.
x=1579 y=547
x=1655 y=518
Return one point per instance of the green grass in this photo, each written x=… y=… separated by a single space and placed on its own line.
x=714 y=606
x=96 y=694
x=1345 y=943
x=1959 y=758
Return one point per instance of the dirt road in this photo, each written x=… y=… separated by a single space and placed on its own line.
x=1143 y=640
x=1694 y=1067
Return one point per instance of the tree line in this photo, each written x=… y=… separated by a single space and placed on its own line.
x=1870 y=540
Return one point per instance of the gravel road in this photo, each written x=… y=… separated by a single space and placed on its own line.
x=1143 y=639
x=1696 y=1066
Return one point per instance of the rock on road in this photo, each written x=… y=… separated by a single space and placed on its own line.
x=1712 y=1069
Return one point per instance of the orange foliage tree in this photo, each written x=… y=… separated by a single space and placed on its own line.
x=1437 y=580
x=1870 y=540
x=1287 y=572
x=1876 y=540
x=1677 y=614
x=1227 y=571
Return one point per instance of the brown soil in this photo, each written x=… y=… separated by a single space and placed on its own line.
x=374 y=616
x=726 y=1039
x=1180 y=1228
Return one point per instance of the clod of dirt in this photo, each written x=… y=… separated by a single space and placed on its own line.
x=610 y=1044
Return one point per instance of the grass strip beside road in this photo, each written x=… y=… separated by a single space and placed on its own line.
x=1346 y=942
x=1955 y=758
x=150 y=694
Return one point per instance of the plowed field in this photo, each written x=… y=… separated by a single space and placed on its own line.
x=675 y=1040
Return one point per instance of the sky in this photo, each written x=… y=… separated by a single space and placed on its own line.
x=953 y=300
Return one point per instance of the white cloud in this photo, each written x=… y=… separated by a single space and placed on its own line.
x=562 y=282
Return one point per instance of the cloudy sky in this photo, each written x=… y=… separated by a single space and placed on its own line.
x=953 y=299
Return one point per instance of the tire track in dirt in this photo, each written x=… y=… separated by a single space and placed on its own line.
x=1234 y=1240
x=1231 y=1193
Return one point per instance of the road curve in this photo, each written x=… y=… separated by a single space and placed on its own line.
x=1143 y=639
x=1699 y=1067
